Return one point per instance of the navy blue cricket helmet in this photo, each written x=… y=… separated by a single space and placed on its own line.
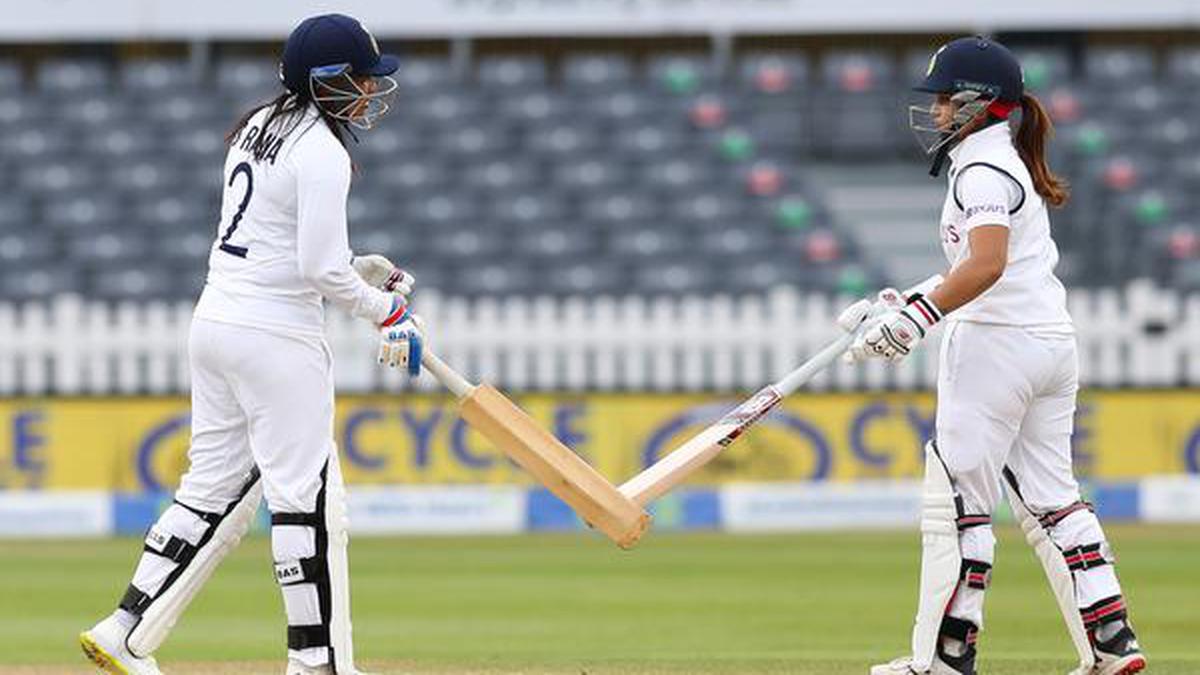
x=983 y=81
x=325 y=59
x=974 y=64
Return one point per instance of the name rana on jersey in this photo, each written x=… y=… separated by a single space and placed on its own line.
x=247 y=140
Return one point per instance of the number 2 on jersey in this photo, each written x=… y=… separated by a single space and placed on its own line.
x=239 y=251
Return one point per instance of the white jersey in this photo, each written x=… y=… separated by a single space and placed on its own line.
x=282 y=242
x=990 y=185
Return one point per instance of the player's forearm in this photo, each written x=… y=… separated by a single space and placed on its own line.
x=966 y=282
x=339 y=284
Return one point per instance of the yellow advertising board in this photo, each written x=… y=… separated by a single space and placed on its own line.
x=137 y=444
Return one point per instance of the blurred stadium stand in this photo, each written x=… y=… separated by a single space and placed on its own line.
x=594 y=172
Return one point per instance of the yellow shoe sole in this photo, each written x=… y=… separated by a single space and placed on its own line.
x=96 y=654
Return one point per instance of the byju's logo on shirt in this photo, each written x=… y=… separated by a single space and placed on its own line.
x=973 y=211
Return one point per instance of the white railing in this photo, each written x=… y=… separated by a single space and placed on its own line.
x=1139 y=336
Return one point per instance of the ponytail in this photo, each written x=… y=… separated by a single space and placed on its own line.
x=1035 y=130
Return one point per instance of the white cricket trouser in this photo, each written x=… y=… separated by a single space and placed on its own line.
x=1006 y=398
x=258 y=398
x=262 y=410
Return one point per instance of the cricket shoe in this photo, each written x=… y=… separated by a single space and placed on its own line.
x=104 y=645
x=1119 y=654
x=294 y=667
x=904 y=666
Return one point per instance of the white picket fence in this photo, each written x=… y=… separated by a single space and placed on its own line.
x=1137 y=336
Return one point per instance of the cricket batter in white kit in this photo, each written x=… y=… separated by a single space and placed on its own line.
x=1008 y=375
x=262 y=373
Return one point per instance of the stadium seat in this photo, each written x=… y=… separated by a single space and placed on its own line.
x=528 y=209
x=1183 y=67
x=707 y=209
x=1044 y=67
x=187 y=247
x=469 y=142
x=857 y=72
x=31 y=145
x=443 y=109
x=27 y=248
x=674 y=274
x=441 y=208
x=74 y=76
x=409 y=174
x=203 y=143
x=418 y=75
x=141 y=282
x=501 y=278
x=587 y=174
x=253 y=76
x=84 y=213
x=184 y=109
x=680 y=74
x=773 y=74
x=1119 y=65
x=11 y=77
x=501 y=175
x=108 y=248
x=597 y=72
x=562 y=140
x=38 y=282
x=120 y=141
x=17 y=213
x=511 y=72
x=647 y=140
x=733 y=241
x=588 y=276
x=678 y=174
x=533 y=107
x=551 y=242
x=633 y=244
x=56 y=177
x=18 y=109
x=153 y=77
x=620 y=209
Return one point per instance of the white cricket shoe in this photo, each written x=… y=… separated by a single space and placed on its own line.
x=904 y=666
x=294 y=667
x=104 y=645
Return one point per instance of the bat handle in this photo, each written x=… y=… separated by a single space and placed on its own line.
x=816 y=364
x=457 y=384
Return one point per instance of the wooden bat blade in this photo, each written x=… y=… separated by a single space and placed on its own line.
x=674 y=468
x=554 y=465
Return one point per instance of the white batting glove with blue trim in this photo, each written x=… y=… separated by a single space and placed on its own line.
x=402 y=339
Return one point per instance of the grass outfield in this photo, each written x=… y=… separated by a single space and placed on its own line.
x=708 y=603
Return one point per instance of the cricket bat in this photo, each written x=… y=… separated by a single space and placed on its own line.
x=554 y=465
x=674 y=468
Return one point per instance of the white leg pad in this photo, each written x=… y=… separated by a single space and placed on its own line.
x=941 y=558
x=1062 y=583
x=313 y=571
x=160 y=615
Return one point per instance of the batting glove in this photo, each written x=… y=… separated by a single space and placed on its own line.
x=401 y=339
x=898 y=330
x=379 y=272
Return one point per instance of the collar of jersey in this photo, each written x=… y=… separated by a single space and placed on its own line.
x=996 y=133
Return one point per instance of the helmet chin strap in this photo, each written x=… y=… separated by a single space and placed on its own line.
x=939 y=157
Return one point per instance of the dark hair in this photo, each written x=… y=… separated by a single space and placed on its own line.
x=1035 y=130
x=282 y=107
